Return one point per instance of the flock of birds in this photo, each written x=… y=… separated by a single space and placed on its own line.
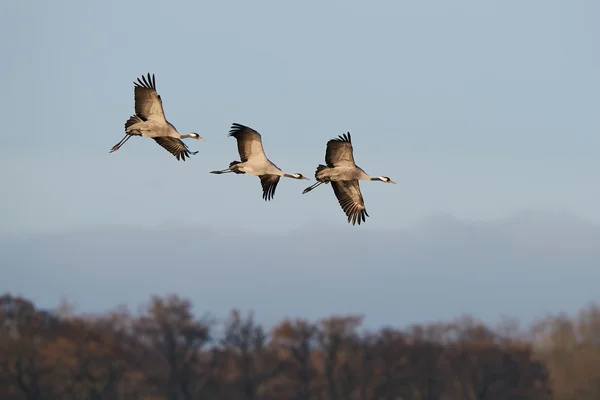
x=340 y=169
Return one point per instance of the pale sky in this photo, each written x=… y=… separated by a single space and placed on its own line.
x=478 y=110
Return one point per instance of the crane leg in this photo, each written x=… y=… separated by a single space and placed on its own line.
x=121 y=143
x=308 y=189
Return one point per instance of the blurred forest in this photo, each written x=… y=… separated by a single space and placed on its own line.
x=166 y=352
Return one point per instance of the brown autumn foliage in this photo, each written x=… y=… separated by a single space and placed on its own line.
x=166 y=352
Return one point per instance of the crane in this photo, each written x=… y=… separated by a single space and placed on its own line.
x=344 y=175
x=149 y=121
x=254 y=160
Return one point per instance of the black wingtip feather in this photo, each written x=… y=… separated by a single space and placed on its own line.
x=344 y=138
x=236 y=128
x=149 y=83
x=268 y=194
x=269 y=184
x=357 y=217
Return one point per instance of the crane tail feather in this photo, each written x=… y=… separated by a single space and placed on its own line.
x=233 y=164
x=320 y=168
x=134 y=119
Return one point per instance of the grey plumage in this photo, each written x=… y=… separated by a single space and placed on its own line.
x=254 y=161
x=344 y=174
x=149 y=121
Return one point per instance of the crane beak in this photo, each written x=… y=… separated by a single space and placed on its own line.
x=391 y=181
x=201 y=138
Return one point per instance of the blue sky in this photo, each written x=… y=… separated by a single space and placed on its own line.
x=477 y=110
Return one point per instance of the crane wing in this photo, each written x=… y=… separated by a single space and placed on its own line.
x=350 y=199
x=148 y=104
x=339 y=152
x=249 y=142
x=175 y=146
x=269 y=184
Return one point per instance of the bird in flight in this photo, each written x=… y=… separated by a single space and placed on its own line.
x=149 y=121
x=344 y=175
x=254 y=161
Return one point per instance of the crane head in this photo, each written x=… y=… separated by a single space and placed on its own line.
x=386 y=179
x=299 y=176
x=194 y=135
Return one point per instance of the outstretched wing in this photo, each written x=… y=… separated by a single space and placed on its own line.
x=339 y=152
x=249 y=142
x=175 y=147
x=269 y=184
x=351 y=200
x=148 y=104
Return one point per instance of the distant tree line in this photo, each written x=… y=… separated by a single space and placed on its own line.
x=166 y=352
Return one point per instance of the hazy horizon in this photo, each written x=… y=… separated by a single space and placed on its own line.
x=522 y=266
